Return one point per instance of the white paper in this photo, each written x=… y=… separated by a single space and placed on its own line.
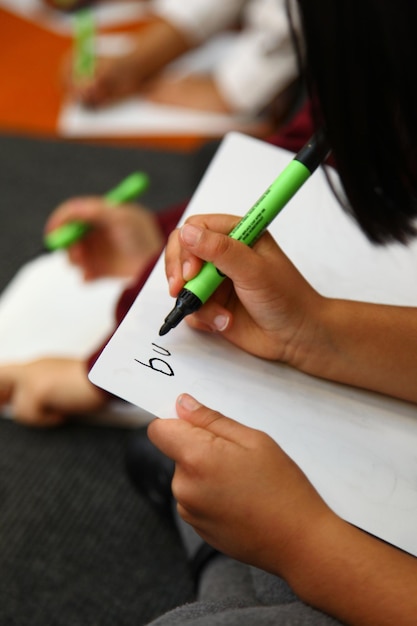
x=48 y=311
x=357 y=448
x=135 y=116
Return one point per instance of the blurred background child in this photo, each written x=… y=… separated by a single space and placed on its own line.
x=257 y=71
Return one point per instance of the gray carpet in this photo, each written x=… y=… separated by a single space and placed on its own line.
x=77 y=545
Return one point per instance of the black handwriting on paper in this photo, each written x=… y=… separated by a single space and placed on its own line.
x=159 y=365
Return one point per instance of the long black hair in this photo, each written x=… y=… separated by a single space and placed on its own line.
x=359 y=58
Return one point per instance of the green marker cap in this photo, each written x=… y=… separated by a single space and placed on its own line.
x=67 y=234
x=130 y=188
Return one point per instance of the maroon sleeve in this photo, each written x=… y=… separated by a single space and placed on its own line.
x=167 y=221
x=297 y=132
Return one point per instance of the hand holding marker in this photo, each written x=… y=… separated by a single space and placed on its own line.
x=67 y=234
x=198 y=290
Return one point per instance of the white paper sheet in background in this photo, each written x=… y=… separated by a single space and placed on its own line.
x=47 y=310
x=358 y=448
x=134 y=116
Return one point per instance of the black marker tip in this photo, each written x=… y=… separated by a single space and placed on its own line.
x=165 y=328
x=187 y=302
x=171 y=321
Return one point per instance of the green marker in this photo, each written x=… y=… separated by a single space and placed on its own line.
x=197 y=290
x=67 y=234
x=84 y=44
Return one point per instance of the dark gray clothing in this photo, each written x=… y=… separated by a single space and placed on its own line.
x=235 y=594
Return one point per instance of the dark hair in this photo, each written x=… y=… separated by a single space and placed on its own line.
x=359 y=59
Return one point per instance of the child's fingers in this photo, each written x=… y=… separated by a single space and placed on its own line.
x=230 y=256
x=6 y=386
x=201 y=416
x=173 y=263
x=88 y=209
x=195 y=431
x=181 y=262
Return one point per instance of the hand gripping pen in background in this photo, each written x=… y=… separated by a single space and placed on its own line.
x=197 y=290
x=67 y=234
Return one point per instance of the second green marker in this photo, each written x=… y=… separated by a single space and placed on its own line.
x=67 y=234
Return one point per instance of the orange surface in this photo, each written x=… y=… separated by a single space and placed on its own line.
x=31 y=94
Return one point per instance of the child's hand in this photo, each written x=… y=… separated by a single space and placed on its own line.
x=44 y=392
x=267 y=308
x=247 y=498
x=195 y=92
x=114 y=78
x=238 y=488
x=122 y=240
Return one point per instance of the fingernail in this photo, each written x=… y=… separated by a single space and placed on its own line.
x=221 y=322
x=171 y=283
x=191 y=234
x=188 y=402
x=186 y=270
